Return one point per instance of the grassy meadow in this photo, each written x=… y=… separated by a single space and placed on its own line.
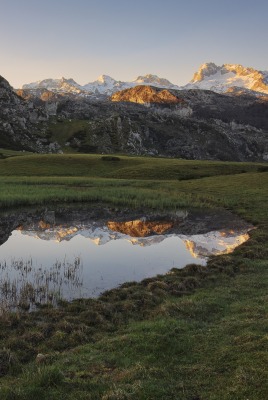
x=195 y=334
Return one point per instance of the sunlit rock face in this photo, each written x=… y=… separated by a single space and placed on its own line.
x=221 y=78
x=214 y=243
x=147 y=95
x=141 y=228
x=43 y=225
x=42 y=94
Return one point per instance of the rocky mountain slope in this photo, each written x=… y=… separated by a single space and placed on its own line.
x=22 y=124
x=191 y=124
x=143 y=120
x=222 y=78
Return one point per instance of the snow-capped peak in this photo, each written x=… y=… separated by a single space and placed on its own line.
x=105 y=79
x=105 y=84
x=153 y=80
x=204 y=70
x=221 y=78
x=55 y=85
x=108 y=85
x=209 y=76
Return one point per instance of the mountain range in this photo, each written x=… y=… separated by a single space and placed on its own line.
x=104 y=85
x=148 y=116
x=220 y=79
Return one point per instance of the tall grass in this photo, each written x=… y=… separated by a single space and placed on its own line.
x=244 y=193
x=115 y=192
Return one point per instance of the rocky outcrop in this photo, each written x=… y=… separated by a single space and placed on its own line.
x=22 y=123
x=147 y=95
x=39 y=94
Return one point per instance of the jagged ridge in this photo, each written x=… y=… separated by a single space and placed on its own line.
x=221 y=78
x=209 y=77
x=104 y=85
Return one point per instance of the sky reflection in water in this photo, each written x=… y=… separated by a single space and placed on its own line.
x=101 y=267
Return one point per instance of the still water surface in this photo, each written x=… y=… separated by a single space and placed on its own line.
x=41 y=266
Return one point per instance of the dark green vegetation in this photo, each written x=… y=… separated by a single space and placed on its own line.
x=198 y=333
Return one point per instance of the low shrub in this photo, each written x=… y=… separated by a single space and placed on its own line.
x=110 y=158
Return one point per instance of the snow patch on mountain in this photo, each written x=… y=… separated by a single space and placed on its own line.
x=62 y=85
x=104 y=85
x=221 y=78
x=154 y=80
x=210 y=76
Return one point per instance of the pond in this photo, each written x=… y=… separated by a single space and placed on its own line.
x=46 y=258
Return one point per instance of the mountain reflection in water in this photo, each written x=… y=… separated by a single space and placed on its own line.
x=42 y=262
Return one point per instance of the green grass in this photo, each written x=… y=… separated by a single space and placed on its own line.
x=133 y=181
x=195 y=334
x=144 y=168
x=5 y=153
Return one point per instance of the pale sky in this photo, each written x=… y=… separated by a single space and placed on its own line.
x=82 y=39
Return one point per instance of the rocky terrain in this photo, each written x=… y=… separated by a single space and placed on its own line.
x=192 y=124
x=142 y=119
x=22 y=123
